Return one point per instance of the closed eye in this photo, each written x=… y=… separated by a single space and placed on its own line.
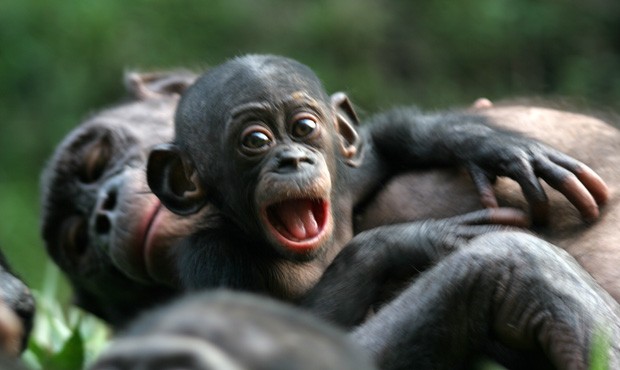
x=96 y=157
x=74 y=239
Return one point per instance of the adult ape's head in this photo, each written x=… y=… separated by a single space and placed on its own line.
x=101 y=224
x=260 y=138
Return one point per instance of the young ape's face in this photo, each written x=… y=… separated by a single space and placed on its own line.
x=262 y=140
x=285 y=149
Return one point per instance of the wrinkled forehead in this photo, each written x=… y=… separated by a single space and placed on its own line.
x=252 y=79
x=208 y=106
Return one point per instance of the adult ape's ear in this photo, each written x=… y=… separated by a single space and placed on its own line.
x=142 y=86
x=173 y=178
x=346 y=120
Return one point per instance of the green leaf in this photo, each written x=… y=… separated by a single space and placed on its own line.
x=35 y=355
x=71 y=356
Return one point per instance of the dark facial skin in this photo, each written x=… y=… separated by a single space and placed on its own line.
x=276 y=147
x=100 y=223
x=16 y=312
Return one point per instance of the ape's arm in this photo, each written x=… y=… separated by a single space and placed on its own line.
x=390 y=256
x=408 y=139
x=507 y=290
x=510 y=295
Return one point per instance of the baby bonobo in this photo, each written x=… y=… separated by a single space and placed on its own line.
x=259 y=138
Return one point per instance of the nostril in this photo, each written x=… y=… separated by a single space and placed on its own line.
x=294 y=162
x=110 y=201
x=103 y=216
x=289 y=162
x=102 y=224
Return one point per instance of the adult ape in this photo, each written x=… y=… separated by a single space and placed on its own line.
x=16 y=312
x=476 y=294
x=101 y=224
x=259 y=138
x=594 y=245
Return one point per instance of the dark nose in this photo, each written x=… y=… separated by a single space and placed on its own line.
x=104 y=214
x=292 y=159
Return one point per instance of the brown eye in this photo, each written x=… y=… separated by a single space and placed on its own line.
x=256 y=139
x=96 y=158
x=304 y=127
x=74 y=238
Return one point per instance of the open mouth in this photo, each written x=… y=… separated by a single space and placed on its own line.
x=298 y=224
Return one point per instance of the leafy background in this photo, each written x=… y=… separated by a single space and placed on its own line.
x=61 y=60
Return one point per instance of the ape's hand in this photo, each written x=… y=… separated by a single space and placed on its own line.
x=408 y=139
x=527 y=161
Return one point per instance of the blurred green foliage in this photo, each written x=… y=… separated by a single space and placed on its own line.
x=63 y=338
x=60 y=60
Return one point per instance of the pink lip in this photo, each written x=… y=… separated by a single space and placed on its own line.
x=144 y=235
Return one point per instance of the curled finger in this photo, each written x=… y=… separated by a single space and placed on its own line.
x=590 y=179
x=484 y=186
x=523 y=173
x=573 y=189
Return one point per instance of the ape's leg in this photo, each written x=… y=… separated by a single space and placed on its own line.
x=508 y=288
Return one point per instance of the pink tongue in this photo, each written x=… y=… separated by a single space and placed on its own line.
x=298 y=219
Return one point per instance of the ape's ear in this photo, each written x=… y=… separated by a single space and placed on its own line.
x=173 y=178
x=346 y=120
x=142 y=86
